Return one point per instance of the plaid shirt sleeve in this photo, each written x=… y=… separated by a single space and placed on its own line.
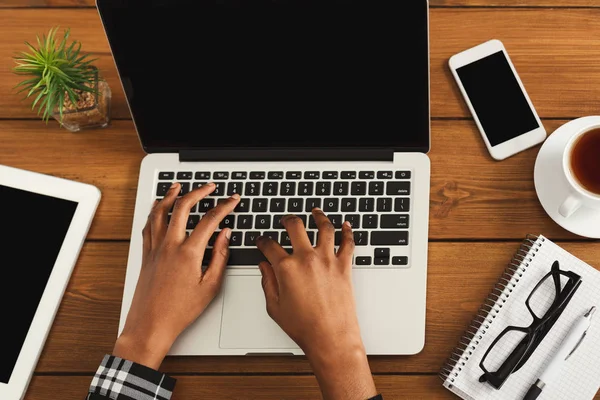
x=119 y=379
x=378 y=397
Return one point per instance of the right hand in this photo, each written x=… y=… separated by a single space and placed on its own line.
x=310 y=295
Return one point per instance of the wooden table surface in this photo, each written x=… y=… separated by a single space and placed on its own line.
x=480 y=209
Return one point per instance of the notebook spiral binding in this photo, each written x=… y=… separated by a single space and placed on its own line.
x=490 y=309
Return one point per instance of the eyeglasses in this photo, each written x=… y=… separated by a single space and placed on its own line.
x=545 y=303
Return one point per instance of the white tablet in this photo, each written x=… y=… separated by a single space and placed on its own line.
x=43 y=221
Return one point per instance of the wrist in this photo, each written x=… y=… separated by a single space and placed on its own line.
x=147 y=351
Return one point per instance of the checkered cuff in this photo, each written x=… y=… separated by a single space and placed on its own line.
x=119 y=379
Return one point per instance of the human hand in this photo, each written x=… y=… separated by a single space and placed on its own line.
x=172 y=290
x=310 y=295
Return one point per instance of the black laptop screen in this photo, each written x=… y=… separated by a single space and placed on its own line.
x=280 y=73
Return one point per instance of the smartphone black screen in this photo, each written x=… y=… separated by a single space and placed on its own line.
x=497 y=98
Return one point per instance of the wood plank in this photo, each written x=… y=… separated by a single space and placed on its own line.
x=559 y=71
x=86 y=325
x=472 y=196
x=433 y=3
x=251 y=387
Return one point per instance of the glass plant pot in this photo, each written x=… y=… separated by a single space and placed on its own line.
x=96 y=115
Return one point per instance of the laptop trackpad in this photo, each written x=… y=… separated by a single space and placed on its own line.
x=245 y=323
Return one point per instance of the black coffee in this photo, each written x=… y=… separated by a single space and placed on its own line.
x=585 y=161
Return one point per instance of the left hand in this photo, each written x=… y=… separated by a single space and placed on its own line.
x=172 y=291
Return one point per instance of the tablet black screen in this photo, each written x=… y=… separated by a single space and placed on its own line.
x=33 y=229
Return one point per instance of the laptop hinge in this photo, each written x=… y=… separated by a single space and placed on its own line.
x=286 y=154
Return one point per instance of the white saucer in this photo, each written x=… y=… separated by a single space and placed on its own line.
x=552 y=187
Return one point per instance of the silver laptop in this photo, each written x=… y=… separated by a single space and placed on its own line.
x=292 y=104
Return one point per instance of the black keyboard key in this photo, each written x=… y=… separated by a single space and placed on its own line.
x=221 y=175
x=270 y=188
x=302 y=218
x=395 y=221
x=305 y=188
x=312 y=175
x=295 y=205
x=277 y=205
x=166 y=176
x=293 y=175
x=398 y=188
x=366 y=175
x=362 y=261
x=262 y=222
x=330 y=175
x=375 y=188
x=239 y=175
x=235 y=187
x=336 y=220
x=243 y=206
x=288 y=189
x=250 y=238
x=202 y=176
x=245 y=221
x=185 y=188
x=358 y=188
x=311 y=237
x=384 y=204
x=385 y=175
x=205 y=204
x=348 y=175
x=361 y=238
x=349 y=204
x=354 y=220
x=193 y=209
x=236 y=239
x=331 y=205
x=257 y=175
x=259 y=205
x=285 y=239
x=366 y=204
x=197 y=185
x=162 y=188
x=312 y=203
x=192 y=221
x=275 y=175
x=272 y=235
x=252 y=189
x=277 y=221
x=402 y=204
x=402 y=174
x=219 y=189
x=340 y=188
x=227 y=222
x=381 y=252
x=213 y=238
x=400 y=260
x=369 y=221
x=323 y=189
x=389 y=238
x=239 y=257
x=184 y=176
x=312 y=224
x=382 y=261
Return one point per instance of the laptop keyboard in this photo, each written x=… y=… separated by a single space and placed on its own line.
x=376 y=203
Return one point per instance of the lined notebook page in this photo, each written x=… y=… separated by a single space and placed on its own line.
x=580 y=377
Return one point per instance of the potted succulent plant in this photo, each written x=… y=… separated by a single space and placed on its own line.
x=63 y=83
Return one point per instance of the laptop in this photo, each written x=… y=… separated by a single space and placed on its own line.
x=293 y=104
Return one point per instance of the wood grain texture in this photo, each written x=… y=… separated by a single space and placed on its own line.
x=472 y=196
x=553 y=50
x=87 y=322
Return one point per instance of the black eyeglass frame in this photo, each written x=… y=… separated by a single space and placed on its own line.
x=536 y=331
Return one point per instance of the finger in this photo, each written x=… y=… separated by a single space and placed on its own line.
x=326 y=236
x=218 y=263
x=181 y=210
x=211 y=220
x=271 y=249
x=297 y=232
x=147 y=235
x=346 y=249
x=270 y=287
x=158 y=214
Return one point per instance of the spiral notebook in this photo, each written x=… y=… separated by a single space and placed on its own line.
x=580 y=377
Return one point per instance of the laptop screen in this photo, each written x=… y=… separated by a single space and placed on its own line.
x=273 y=73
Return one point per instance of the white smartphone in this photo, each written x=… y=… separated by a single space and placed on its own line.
x=497 y=99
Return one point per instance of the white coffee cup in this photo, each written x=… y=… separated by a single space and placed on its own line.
x=578 y=196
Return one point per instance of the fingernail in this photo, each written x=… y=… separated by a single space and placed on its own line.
x=174 y=185
x=347 y=224
x=210 y=184
x=228 y=233
x=235 y=196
